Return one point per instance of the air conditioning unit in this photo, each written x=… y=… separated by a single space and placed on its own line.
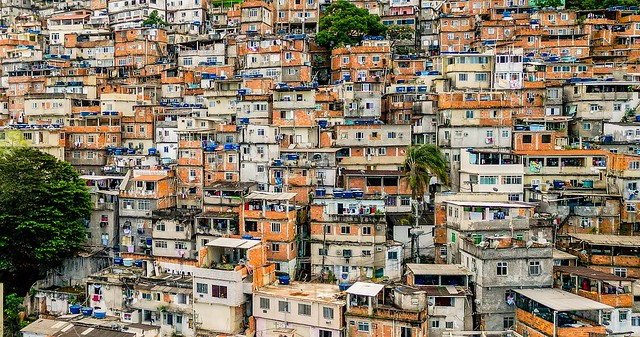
x=339 y=252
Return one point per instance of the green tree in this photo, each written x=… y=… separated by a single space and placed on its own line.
x=13 y=315
x=548 y=3
x=154 y=19
x=421 y=164
x=42 y=201
x=344 y=23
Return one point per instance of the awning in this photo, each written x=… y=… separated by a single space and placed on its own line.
x=365 y=289
x=233 y=243
x=559 y=300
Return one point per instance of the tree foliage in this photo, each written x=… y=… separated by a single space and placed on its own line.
x=421 y=163
x=344 y=23
x=154 y=19
x=548 y=3
x=42 y=201
x=596 y=4
x=14 y=315
x=400 y=32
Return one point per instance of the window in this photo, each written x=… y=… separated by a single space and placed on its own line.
x=586 y=126
x=363 y=326
x=511 y=180
x=463 y=77
x=160 y=227
x=264 y=303
x=469 y=114
x=345 y=229
x=501 y=269
x=391 y=135
x=180 y=245
x=406 y=331
x=526 y=139
x=283 y=306
x=201 y=288
x=534 y=268
x=481 y=77
x=275 y=227
x=161 y=244
x=508 y=322
x=304 y=309
x=324 y=333
x=219 y=291
x=435 y=324
x=392 y=255
x=546 y=139
x=623 y=315
x=366 y=230
x=634 y=165
x=322 y=251
x=488 y=180
x=635 y=321
x=447 y=325
x=622 y=272
x=275 y=247
x=327 y=313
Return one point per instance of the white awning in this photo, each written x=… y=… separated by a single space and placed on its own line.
x=233 y=243
x=365 y=289
x=560 y=300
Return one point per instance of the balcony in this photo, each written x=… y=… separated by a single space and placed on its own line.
x=357 y=218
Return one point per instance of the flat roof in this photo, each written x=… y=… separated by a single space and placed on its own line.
x=148 y=177
x=69 y=16
x=560 y=255
x=320 y=292
x=77 y=330
x=233 y=243
x=590 y=273
x=44 y=326
x=365 y=289
x=608 y=240
x=559 y=300
x=489 y=204
x=93 y=177
x=319 y=150
x=438 y=269
x=564 y=153
x=271 y=196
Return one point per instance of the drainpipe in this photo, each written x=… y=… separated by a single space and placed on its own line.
x=555 y=315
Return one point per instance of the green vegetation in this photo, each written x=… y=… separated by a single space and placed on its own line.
x=154 y=19
x=595 y=4
x=421 y=163
x=42 y=201
x=14 y=319
x=343 y=23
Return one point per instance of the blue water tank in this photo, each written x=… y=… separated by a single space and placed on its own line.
x=247 y=236
x=100 y=313
x=138 y=263
x=347 y=194
x=87 y=311
x=343 y=286
x=75 y=309
x=117 y=260
x=284 y=280
x=321 y=192
x=152 y=151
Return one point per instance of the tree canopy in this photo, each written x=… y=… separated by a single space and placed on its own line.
x=595 y=4
x=154 y=19
x=344 y=23
x=42 y=202
x=421 y=164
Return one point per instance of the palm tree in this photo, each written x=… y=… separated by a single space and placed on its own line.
x=423 y=162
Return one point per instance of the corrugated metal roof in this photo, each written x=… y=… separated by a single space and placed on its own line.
x=608 y=240
x=271 y=196
x=559 y=300
x=590 y=273
x=560 y=255
x=438 y=269
x=233 y=243
x=365 y=289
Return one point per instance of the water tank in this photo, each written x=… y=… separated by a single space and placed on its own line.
x=100 y=313
x=127 y=262
x=284 y=280
x=117 y=260
x=138 y=263
x=87 y=311
x=75 y=309
x=321 y=192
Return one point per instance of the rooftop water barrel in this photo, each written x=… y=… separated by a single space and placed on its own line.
x=100 y=313
x=138 y=263
x=117 y=260
x=344 y=286
x=87 y=311
x=347 y=194
x=284 y=280
x=321 y=192
x=127 y=262
x=75 y=309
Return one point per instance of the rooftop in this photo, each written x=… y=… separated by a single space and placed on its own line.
x=365 y=289
x=488 y=204
x=319 y=292
x=608 y=240
x=233 y=243
x=45 y=327
x=563 y=153
x=560 y=255
x=271 y=196
x=589 y=273
x=559 y=300
x=438 y=269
